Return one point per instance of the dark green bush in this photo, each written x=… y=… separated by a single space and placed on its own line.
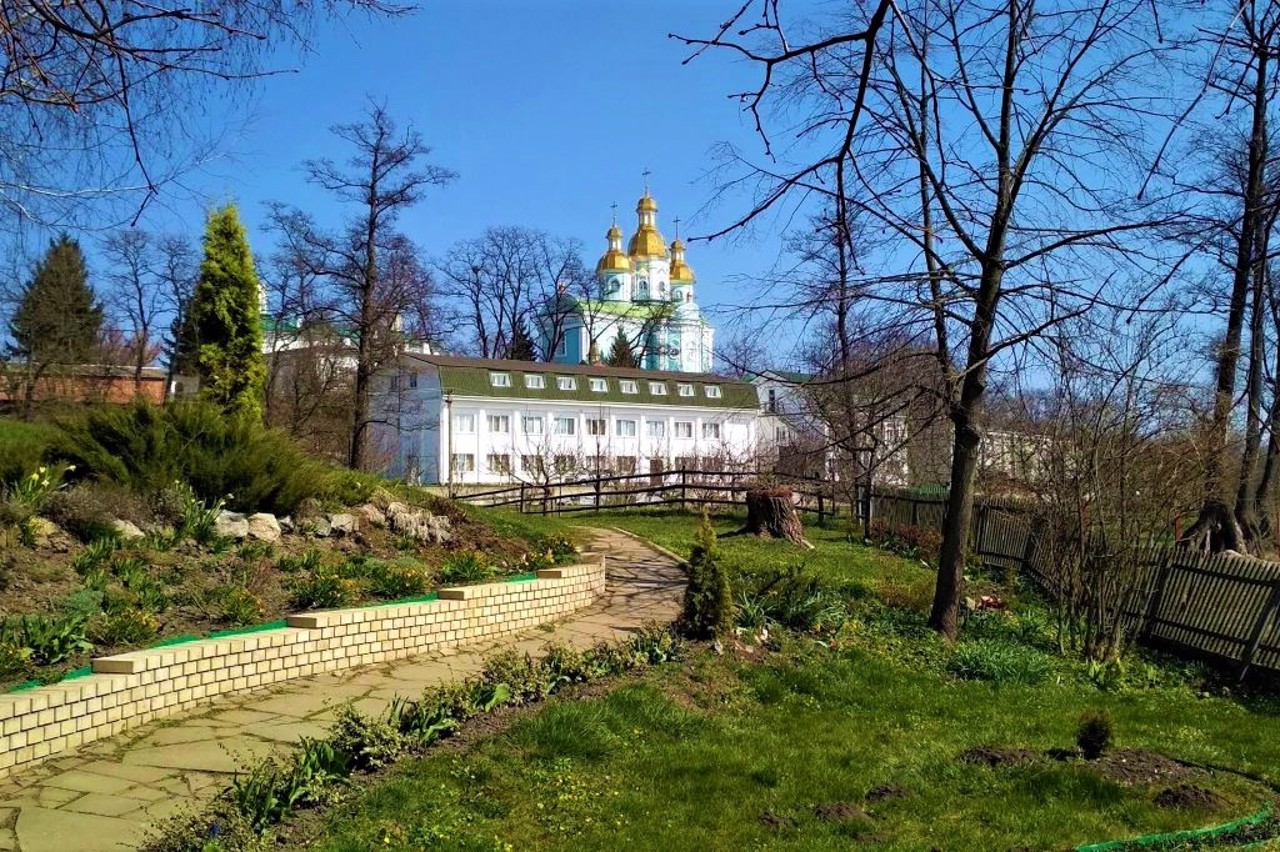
x=23 y=447
x=236 y=605
x=124 y=625
x=147 y=448
x=708 y=601
x=405 y=578
x=469 y=567
x=49 y=639
x=325 y=590
x=1093 y=734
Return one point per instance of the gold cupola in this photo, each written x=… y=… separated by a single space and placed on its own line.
x=647 y=242
x=614 y=259
x=680 y=270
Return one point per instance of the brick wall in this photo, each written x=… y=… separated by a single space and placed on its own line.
x=131 y=689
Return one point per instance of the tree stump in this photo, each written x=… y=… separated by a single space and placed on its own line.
x=771 y=513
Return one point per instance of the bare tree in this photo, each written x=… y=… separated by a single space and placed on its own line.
x=987 y=141
x=98 y=100
x=375 y=273
x=137 y=293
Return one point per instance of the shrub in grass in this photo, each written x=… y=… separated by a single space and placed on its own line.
x=147 y=448
x=1093 y=734
x=1001 y=662
x=405 y=578
x=708 y=609
x=325 y=590
x=469 y=567
x=236 y=605
x=528 y=680
x=125 y=625
x=370 y=742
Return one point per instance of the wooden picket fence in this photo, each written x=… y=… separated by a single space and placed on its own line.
x=1222 y=607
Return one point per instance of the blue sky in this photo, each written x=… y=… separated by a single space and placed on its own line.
x=549 y=111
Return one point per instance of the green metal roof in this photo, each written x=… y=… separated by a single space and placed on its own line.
x=471 y=377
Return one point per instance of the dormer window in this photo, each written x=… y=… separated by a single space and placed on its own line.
x=535 y=382
x=627 y=386
x=500 y=380
x=657 y=388
x=599 y=385
x=566 y=383
x=713 y=391
x=684 y=390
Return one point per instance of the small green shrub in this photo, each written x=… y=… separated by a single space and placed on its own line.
x=95 y=555
x=370 y=742
x=396 y=580
x=124 y=625
x=325 y=590
x=85 y=602
x=1093 y=734
x=312 y=562
x=49 y=639
x=236 y=605
x=791 y=599
x=469 y=567
x=147 y=448
x=1001 y=662
x=527 y=680
x=708 y=602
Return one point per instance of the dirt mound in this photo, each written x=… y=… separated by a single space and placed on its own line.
x=776 y=821
x=887 y=791
x=1132 y=767
x=1189 y=797
x=995 y=756
x=839 y=812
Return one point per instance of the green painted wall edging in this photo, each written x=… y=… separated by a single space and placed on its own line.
x=1179 y=836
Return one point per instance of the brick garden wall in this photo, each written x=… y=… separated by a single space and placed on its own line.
x=127 y=690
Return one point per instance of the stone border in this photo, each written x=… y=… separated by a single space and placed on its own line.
x=131 y=689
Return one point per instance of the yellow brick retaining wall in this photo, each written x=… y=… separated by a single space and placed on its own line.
x=131 y=689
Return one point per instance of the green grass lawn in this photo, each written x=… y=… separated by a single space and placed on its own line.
x=781 y=749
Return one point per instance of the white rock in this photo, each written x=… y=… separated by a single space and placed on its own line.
x=318 y=527
x=263 y=526
x=127 y=530
x=372 y=515
x=343 y=524
x=231 y=525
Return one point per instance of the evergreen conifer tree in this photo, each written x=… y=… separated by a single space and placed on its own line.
x=620 y=354
x=226 y=318
x=58 y=320
x=522 y=347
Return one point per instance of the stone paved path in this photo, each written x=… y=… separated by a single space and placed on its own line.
x=103 y=796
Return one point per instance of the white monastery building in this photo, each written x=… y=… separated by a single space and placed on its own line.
x=466 y=420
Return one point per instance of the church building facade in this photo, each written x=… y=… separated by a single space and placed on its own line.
x=646 y=296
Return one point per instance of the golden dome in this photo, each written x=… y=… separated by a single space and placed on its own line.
x=647 y=203
x=614 y=259
x=647 y=242
x=680 y=270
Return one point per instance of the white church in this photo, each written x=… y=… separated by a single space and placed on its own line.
x=647 y=297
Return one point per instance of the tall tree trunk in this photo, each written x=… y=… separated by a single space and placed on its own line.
x=1217 y=528
x=1246 y=507
x=1262 y=494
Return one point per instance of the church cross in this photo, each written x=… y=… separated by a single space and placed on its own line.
x=646 y=174
x=677 y=223
x=614 y=208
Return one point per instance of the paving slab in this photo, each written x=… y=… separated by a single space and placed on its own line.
x=105 y=796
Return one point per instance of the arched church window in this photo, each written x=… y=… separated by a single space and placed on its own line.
x=688 y=297
x=642 y=288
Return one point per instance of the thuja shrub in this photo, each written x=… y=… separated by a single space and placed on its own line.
x=708 y=610
x=1093 y=734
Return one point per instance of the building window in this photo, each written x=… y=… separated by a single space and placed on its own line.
x=499 y=423
x=499 y=463
x=531 y=425
x=599 y=464
x=394 y=383
x=773 y=401
x=411 y=466
x=713 y=391
x=780 y=434
x=531 y=464
x=656 y=467
x=413 y=380
x=686 y=462
x=624 y=428
x=465 y=423
x=658 y=388
x=656 y=429
x=597 y=426
x=599 y=385
x=565 y=425
x=684 y=428
x=565 y=465
x=627 y=386
x=463 y=463
x=711 y=430
x=684 y=390
x=500 y=380
x=566 y=383
x=625 y=465
x=534 y=382
x=563 y=347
